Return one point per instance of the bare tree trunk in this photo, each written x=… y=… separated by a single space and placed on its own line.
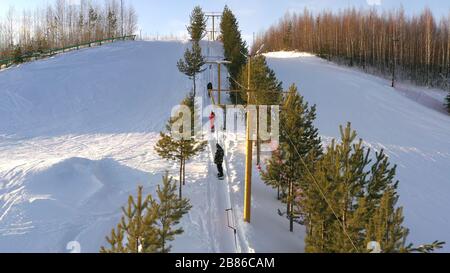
x=184 y=172
x=195 y=85
x=181 y=180
x=291 y=209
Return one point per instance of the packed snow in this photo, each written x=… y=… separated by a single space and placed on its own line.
x=413 y=133
x=77 y=136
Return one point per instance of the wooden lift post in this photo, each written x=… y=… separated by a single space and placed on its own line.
x=248 y=156
x=219 y=64
x=249 y=142
x=215 y=16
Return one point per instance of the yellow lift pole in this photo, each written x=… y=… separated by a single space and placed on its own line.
x=249 y=154
x=219 y=64
x=249 y=142
x=220 y=84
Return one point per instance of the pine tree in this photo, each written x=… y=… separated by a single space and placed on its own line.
x=147 y=224
x=299 y=140
x=197 y=27
x=427 y=248
x=192 y=63
x=385 y=225
x=189 y=101
x=343 y=197
x=274 y=175
x=263 y=81
x=235 y=50
x=170 y=211
x=179 y=150
x=349 y=201
x=116 y=241
x=138 y=225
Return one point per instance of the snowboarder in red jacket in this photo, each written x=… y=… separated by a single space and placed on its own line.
x=212 y=118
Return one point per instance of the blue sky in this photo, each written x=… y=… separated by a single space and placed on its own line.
x=165 y=17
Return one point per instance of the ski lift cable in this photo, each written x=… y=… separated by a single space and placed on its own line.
x=321 y=191
x=236 y=82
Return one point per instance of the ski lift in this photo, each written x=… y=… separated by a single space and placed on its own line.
x=232 y=224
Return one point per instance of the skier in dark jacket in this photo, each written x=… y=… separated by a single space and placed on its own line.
x=210 y=88
x=218 y=160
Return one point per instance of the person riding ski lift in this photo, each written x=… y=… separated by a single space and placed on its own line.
x=210 y=88
x=212 y=119
x=218 y=160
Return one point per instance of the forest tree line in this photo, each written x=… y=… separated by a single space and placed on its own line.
x=62 y=24
x=418 y=46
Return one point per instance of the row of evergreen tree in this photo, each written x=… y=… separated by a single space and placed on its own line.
x=64 y=23
x=343 y=194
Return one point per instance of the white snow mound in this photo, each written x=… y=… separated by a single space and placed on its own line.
x=54 y=205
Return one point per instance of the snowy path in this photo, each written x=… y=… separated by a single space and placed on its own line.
x=218 y=195
x=267 y=232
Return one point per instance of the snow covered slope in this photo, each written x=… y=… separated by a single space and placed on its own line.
x=416 y=137
x=77 y=133
x=76 y=138
x=96 y=90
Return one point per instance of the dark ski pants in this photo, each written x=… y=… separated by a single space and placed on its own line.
x=220 y=170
